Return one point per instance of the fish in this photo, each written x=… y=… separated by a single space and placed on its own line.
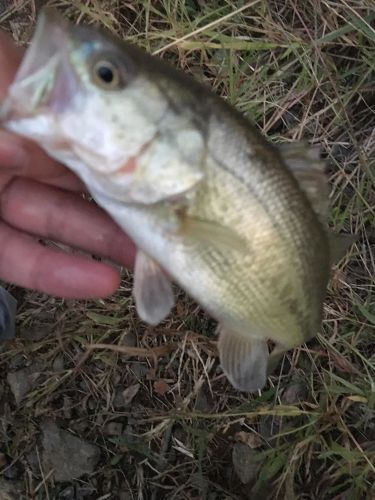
x=237 y=222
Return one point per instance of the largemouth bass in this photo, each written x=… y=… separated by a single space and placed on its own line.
x=210 y=204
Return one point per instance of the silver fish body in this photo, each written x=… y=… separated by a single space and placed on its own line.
x=208 y=202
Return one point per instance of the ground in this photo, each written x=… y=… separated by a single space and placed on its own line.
x=164 y=420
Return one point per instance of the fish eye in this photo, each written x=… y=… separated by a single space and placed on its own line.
x=106 y=74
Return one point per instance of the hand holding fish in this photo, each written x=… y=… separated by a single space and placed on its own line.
x=40 y=198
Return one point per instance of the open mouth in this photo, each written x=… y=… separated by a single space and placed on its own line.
x=46 y=80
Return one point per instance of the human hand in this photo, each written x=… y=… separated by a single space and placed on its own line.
x=41 y=199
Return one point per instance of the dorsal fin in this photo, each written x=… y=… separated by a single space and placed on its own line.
x=304 y=161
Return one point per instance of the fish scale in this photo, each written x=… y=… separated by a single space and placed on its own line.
x=254 y=285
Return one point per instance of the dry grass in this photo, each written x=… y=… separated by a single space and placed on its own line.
x=298 y=69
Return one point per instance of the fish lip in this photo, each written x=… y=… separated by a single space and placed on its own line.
x=46 y=81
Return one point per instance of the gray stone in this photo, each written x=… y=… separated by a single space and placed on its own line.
x=22 y=381
x=58 y=363
x=118 y=400
x=129 y=339
x=244 y=462
x=68 y=493
x=294 y=393
x=10 y=490
x=113 y=428
x=68 y=455
x=139 y=369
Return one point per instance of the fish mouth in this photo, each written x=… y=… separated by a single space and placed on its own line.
x=46 y=80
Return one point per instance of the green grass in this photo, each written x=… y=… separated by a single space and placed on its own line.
x=298 y=70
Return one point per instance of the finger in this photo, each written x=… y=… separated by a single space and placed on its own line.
x=10 y=58
x=63 y=216
x=25 y=262
x=19 y=156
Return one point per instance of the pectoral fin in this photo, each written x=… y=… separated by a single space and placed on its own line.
x=213 y=234
x=152 y=290
x=244 y=360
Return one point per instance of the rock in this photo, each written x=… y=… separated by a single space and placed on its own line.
x=22 y=381
x=58 y=364
x=139 y=369
x=16 y=362
x=84 y=491
x=113 y=429
x=76 y=492
x=67 y=493
x=129 y=339
x=10 y=490
x=118 y=400
x=68 y=455
x=79 y=426
x=244 y=462
x=294 y=393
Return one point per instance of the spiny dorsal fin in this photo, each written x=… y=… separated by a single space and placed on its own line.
x=305 y=164
x=303 y=160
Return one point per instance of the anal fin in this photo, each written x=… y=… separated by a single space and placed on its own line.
x=152 y=290
x=244 y=360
